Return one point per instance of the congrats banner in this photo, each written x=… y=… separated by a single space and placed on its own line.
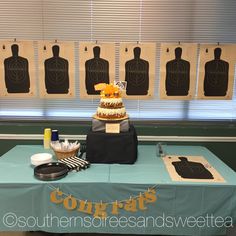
x=103 y=209
x=96 y=65
x=178 y=71
x=17 y=69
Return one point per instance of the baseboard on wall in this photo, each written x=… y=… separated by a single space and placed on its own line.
x=140 y=138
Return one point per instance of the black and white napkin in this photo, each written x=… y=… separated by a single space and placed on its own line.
x=75 y=163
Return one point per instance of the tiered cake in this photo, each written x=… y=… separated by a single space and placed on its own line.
x=111 y=105
x=111 y=139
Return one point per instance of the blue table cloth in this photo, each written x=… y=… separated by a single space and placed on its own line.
x=180 y=208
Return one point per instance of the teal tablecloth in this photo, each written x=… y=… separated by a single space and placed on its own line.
x=25 y=201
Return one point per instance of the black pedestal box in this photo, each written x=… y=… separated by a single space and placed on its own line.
x=110 y=148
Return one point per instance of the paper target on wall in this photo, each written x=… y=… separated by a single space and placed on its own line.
x=17 y=77
x=216 y=71
x=56 y=69
x=137 y=68
x=96 y=65
x=178 y=71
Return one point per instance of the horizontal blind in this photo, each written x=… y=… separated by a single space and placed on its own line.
x=202 y=21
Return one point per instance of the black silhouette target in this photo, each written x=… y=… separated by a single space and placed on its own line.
x=216 y=76
x=137 y=71
x=17 y=72
x=191 y=170
x=56 y=72
x=137 y=74
x=177 y=75
x=97 y=71
x=17 y=77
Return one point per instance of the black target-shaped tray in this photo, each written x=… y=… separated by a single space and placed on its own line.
x=51 y=171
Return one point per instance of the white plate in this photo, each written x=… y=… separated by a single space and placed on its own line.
x=41 y=158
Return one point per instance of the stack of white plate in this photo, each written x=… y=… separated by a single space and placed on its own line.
x=41 y=158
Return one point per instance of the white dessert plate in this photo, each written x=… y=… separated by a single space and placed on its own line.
x=41 y=158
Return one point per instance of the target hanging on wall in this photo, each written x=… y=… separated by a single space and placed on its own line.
x=178 y=71
x=216 y=71
x=17 y=69
x=56 y=69
x=96 y=65
x=137 y=69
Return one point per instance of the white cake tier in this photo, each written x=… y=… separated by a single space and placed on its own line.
x=111 y=100
x=109 y=112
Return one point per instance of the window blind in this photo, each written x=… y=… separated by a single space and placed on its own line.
x=200 y=21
